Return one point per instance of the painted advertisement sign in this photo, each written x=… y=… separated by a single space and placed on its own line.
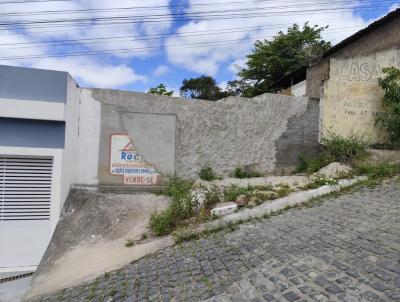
x=127 y=162
x=352 y=96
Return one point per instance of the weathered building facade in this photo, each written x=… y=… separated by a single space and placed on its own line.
x=345 y=79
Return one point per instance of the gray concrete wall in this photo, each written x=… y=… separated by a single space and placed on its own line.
x=386 y=37
x=33 y=84
x=177 y=135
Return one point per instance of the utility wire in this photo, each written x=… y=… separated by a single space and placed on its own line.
x=132 y=50
x=128 y=22
x=111 y=9
x=141 y=38
x=205 y=15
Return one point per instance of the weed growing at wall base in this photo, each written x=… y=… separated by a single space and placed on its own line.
x=181 y=207
x=207 y=173
x=345 y=149
x=245 y=172
x=187 y=204
x=337 y=148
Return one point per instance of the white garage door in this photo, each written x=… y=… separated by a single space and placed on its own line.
x=25 y=199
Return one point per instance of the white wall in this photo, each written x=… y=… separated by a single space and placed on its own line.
x=299 y=89
x=69 y=158
x=88 y=140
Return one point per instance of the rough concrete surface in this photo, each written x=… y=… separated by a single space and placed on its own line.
x=379 y=156
x=91 y=235
x=233 y=131
x=343 y=249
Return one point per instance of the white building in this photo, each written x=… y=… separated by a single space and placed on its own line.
x=38 y=133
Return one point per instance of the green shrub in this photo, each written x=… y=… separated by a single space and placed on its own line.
x=336 y=149
x=213 y=195
x=182 y=206
x=207 y=173
x=312 y=165
x=232 y=192
x=242 y=172
x=302 y=165
x=161 y=223
x=344 y=149
x=178 y=187
x=389 y=119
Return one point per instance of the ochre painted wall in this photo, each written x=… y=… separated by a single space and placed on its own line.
x=352 y=96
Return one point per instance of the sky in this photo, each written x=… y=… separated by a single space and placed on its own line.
x=136 y=44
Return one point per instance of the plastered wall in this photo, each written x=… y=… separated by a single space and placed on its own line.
x=352 y=97
x=166 y=135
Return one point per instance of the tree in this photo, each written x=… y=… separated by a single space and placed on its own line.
x=160 y=90
x=271 y=60
x=389 y=119
x=204 y=88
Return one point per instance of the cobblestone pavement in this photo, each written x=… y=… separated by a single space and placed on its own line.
x=343 y=249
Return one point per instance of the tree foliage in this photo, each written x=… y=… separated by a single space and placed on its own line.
x=389 y=119
x=204 y=88
x=160 y=90
x=271 y=60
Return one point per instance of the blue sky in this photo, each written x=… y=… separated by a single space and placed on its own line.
x=134 y=44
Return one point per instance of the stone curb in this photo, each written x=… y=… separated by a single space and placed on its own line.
x=264 y=209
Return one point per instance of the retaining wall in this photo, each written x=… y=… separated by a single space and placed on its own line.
x=265 y=133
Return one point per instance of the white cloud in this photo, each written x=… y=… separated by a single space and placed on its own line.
x=161 y=70
x=236 y=65
x=264 y=20
x=111 y=70
x=92 y=73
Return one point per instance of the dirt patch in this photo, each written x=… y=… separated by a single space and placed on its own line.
x=91 y=235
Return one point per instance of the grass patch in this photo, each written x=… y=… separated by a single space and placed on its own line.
x=181 y=207
x=212 y=196
x=232 y=192
x=378 y=171
x=283 y=190
x=207 y=173
x=312 y=165
x=319 y=182
x=245 y=172
x=130 y=243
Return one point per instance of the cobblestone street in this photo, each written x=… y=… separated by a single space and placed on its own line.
x=343 y=249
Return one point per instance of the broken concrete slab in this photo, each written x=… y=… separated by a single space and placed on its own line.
x=224 y=208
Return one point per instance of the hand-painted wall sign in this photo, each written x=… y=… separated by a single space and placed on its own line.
x=125 y=161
